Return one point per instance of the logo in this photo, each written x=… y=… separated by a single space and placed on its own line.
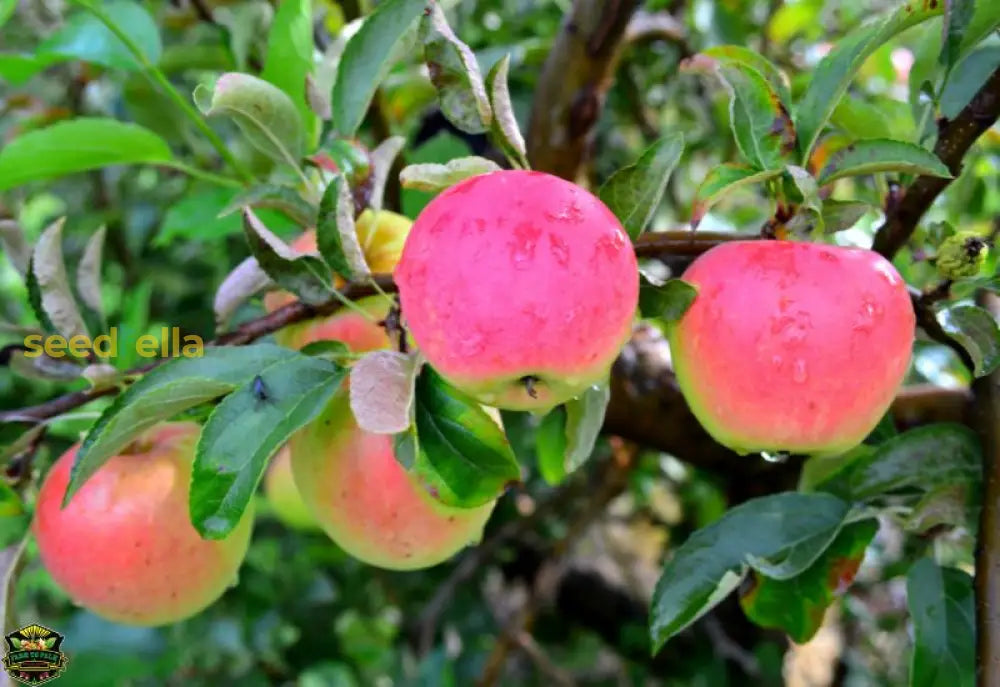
x=33 y=655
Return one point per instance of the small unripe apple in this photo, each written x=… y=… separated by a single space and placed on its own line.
x=795 y=347
x=519 y=288
x=283 y=495
x=367 y=503
x=124 y=546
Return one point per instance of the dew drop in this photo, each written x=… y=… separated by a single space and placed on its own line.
x=775 y=456
x=471 y=345
x=559 y=249
x=799 y=372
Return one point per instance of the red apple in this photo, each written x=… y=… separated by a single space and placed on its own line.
x=796 y=347
x=519 y=288
x=367 y=503
x=124 y=547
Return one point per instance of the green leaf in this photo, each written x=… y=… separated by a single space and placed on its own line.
x=977 y=332
x=463 y=457
x=920 y=459
x=504 y=129
x=550 y=445
x=941 y=603
x=967 y=78
x=724 y=179
x=336 y=233
x=171 y=388
x=49 y=272
x=17 y=69
x=950 y=505
x=7 y=8
x=957 y=15
x=365 y=60
x=843 y=214
x=634 y=192
x=760 y=122
x=381 y=393
x=835 y=72
x=290 y=57
x=567 y=435
x=77 y=145
x=881 y=155
x=667 y=301
x=807 y=187
x=43 y=367
x=433 y=177
x=285 y=199
x=15 y=245
x=88 y=272
x=202 y=215
x=245 y=430
x=798 y=605
x=263 y=112
x=874 y=117
x=739 y=55
x=85 y=37
x=713 y=560
x=985 y=21
x=35 y=299
x=454 y=72
x=307 y=276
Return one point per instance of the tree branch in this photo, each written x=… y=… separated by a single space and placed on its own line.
x=955 y=137
x=573 y=84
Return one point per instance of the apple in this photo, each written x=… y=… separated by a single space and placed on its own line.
x=368 y=503
x=794 y=347
x=519 y=288
x=124 y=546
x=282 y=494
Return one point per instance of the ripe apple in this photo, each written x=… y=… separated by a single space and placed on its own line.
x=519 y=288
x=367 y=503
x=796 y=347
x=124 y=547
x=282 y=494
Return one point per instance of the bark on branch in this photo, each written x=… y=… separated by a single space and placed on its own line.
x=573 y=84
x=955 y=137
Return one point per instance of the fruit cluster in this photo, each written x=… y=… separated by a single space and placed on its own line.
x=520 y=289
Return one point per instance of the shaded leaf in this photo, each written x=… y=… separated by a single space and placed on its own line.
x=798 y=605
x=843 y=214
x=567 y=435
x=550 y=445
x=433 y=177
x=88 y=273
x=724 y=179
x=967 y=78
x=455 y=74
x=264 y=113
x=957 y=15
x=336 y=233
x=949 y=505
x=49 y=271
x=985 y=21
x=739 y=55
x=667 y=301
x=272 y=196
x=712 y=561
x=942 y=609
x=43 y=367
x=504 y=129
x=85 y=37
x=807 y=187
x=835 y=72
x=243 y=282
x=171 y=388
x=634 y=192
x=58 y=150
x=307 y=276
x=381 y=391
x=365 y=59
x=463 y=456
x=382 y=159
x=15 y=245
x=976 y=330
x=881 y=155
x=244 y=431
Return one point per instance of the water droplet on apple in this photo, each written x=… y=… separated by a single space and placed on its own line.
x=471 y=345
x=559 y=249
x=775 y=456
x=777 y=360
x=799 y=372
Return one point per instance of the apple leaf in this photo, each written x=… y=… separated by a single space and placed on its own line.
x=941 y=603
x=454 y=71
x=382 y=387
x=976 y=330
x=45 y=368
x=713 y=560
x=365 y=59
x=15 y=245
x=85 y=37
x=244 y=281
x=957 y=16
x=567 y=435
x=173 y=387
x=290 y=57
x=336 y=233
x=550 y=445
x=57 y=150
x=88 y=272
x=798 y=605
x=382 y=158
x=881 y=155
x=634 y=192
x=462 y=456
x=285 y=199
x=307 y=276
x=246 y=429
x=504 y=129
x=49 y=272
x=264 y=113
x=724 y=179
x=835 y=72
x=434 y=177
x=667 y=301
x=739 y=55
